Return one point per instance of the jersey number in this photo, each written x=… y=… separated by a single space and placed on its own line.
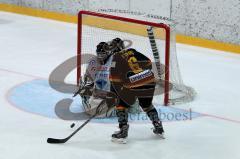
x=132 y=61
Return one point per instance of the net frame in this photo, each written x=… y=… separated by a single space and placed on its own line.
x=167 y=101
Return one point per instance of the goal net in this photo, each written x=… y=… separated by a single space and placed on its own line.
x=154 y=40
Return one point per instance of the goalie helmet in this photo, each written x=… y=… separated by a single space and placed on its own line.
x=117 y=44
x=102 y=51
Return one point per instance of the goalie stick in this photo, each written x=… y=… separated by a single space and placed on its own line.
x=154 y=50
x=61 y=141
x=83 y=83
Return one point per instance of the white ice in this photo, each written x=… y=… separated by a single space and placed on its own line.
x=32 y=47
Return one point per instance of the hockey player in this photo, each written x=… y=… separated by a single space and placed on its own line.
x=96 y=87
x=133 y=78
x=126 y=73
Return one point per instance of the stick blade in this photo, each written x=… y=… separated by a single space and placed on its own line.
x=55 y=141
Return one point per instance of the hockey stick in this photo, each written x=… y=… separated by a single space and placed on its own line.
x=154 y=50
x=83 y=84
x=61 y=141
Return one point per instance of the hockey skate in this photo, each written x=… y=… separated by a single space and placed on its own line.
x=158 y=129
x=121 y=135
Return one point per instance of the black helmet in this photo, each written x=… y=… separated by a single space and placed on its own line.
x=117 y=44
x=102 y=51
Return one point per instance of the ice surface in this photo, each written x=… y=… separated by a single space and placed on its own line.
x=30 y=48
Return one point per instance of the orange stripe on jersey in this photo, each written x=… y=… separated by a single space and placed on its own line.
x=120 y=107
x=114 y=78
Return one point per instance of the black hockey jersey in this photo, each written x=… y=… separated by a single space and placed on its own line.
x=132 y=69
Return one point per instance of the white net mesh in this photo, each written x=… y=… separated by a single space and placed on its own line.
x=96 y=29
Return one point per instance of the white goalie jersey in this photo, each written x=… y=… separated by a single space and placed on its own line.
x=97 y=78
